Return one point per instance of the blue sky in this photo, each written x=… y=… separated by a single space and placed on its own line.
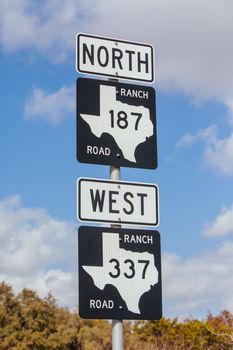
x=194 y=87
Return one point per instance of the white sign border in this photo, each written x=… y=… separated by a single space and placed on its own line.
x=152 y=81
x=142 y=184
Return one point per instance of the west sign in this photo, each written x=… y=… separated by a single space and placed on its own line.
x=114 y=58
x=117 y=202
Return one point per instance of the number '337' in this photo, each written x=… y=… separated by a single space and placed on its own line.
x=128 y=266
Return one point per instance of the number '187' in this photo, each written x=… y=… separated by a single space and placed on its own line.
x=120 y=119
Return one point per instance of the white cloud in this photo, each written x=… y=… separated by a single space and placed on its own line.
x=40 y=252
x=192 y=39
x=47 y=26
x=222 y=225
x=52 y=107
x=218 y=153
x=229 y=104
x=37 y=251
x=199 y=284
x=208 y=134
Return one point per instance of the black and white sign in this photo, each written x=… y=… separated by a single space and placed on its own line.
x=114 y=58
x=116 y=124
x=117 y=202
x=119 y=274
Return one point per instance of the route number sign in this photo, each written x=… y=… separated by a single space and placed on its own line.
x=119 y=273
x=117 y=202
x=114 y=58
x=116 y=124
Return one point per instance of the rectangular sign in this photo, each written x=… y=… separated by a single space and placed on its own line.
x=119 y=273
x=114 y=58
x=116 y=124
x=117 y=202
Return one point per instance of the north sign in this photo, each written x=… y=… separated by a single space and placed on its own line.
x=119 y=273
x=114 y=58
x=117 y=202
x=116 y=124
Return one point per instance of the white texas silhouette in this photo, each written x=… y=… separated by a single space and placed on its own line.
x=131 y=273
x=129 y=125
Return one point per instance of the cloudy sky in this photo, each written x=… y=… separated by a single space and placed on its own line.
x=194 y=87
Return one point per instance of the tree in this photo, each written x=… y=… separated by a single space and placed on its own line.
x=190 y=334
x=28 y=322
x=9 y=317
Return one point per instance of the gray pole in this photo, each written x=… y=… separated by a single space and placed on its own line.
x=117 y=335
x=117 y=325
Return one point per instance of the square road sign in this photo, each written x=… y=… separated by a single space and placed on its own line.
x=119 y=274
x=116 y=124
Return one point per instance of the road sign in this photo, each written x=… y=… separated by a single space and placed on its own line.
x=119 y=274
x=114 y=58
x=116 y=124
x=117 y=202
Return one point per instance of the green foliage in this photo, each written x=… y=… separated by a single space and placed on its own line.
x=28 y=322
x=215 y=333
x=96 y=334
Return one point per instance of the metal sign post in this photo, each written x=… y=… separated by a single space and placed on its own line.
x=117 y=335
x=117 y=325
x=116 y=126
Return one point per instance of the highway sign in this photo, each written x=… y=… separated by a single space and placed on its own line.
x=117 y=202
x=114 y=58
x=119 y=274
x=116 y=124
